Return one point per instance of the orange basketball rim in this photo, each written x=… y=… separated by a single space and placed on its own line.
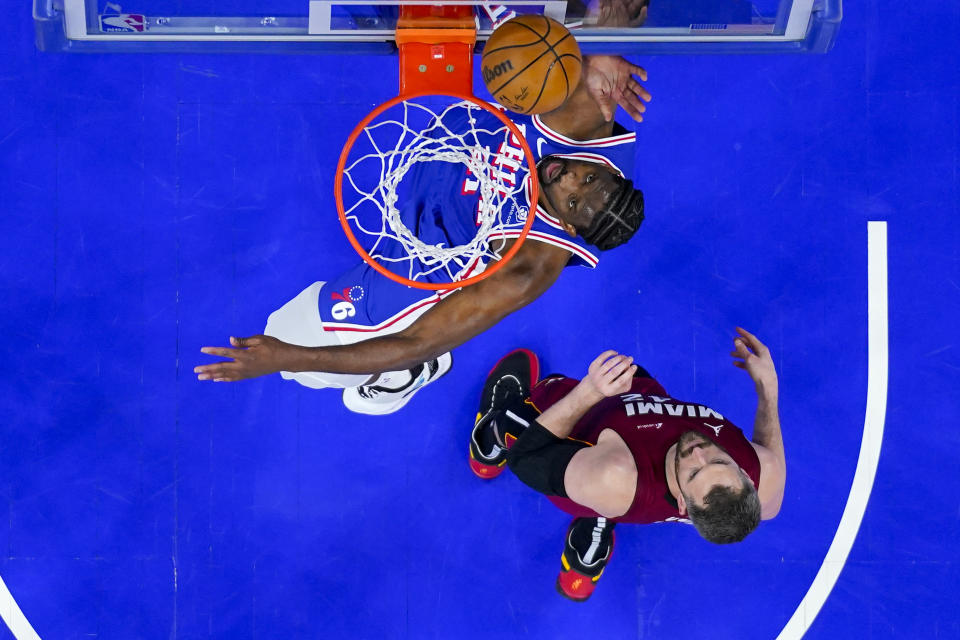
x=436 y=58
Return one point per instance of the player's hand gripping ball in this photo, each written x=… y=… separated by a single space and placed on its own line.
x=531 y=64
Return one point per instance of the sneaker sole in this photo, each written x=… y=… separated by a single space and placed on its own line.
x=569 y=597
x=483 y=470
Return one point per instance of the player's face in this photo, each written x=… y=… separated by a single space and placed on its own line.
x=701 y=465
x=574 y=190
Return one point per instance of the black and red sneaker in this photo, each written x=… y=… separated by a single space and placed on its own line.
x=508 y=385
x=587 y=551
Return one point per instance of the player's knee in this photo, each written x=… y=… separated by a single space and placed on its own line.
x=539 y=459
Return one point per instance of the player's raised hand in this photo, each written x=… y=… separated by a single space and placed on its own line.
x=610 y=374
x=249 y=358
x=754 y=357
x=611 y=80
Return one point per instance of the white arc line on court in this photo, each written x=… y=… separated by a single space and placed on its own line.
x=16 y=621
x=877 y=373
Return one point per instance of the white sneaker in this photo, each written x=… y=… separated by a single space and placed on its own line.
x=377 y=400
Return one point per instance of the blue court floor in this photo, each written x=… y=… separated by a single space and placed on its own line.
x=154 y=204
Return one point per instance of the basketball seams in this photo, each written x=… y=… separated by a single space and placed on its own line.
x=540 y=39
x=563 y=67
x=565 y=59
x=552 y=65
x=520 y=72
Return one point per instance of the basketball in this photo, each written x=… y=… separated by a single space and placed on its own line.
x=531 y=64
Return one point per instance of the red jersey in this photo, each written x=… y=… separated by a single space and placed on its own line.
x=650 y=422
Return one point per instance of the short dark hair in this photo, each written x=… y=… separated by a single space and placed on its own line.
x=619 y=220
x=726 y=515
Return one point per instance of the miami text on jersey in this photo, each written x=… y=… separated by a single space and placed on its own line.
x=637 y=404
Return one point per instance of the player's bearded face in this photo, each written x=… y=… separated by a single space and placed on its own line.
x=700 y=465
x=575 y=190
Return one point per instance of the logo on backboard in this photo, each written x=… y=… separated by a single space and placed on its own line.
x=123 y=22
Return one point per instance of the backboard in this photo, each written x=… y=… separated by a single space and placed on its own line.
x=351 y=26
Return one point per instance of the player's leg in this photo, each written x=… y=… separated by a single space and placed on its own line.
x=394 y=389
x=586 y=552
x=503 y=412
x=298 y=322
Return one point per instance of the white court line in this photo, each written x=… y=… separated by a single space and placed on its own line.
x=877 y=360
x=16 y=621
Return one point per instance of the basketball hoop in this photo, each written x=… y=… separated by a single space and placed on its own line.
x=435 y=119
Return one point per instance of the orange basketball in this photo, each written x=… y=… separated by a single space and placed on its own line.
x=531 y=64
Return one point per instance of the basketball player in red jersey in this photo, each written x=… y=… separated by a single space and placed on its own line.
x=615 y=447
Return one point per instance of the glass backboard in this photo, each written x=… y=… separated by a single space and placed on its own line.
x=345 y=26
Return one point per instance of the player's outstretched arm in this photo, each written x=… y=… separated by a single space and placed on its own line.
x=606 y=81
x=453 y=321
x=754 y=357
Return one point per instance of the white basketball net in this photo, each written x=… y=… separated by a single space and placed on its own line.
x=386 y=151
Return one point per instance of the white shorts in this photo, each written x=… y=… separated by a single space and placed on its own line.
x=298 y=322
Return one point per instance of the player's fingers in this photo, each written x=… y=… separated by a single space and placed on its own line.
x=624 y=367
x=637 y=70
x=607 y=371
x=740 y=349
x=739 y=364
x=251 y=341
x=632 y=105
x=622 y=364
x=223 y=352
x=640 y=19
x=640 y=91
x=211 y=371
x=610 y=363
x=600 y=359
x=623 y=382
x=752 y=341
x=747 y=335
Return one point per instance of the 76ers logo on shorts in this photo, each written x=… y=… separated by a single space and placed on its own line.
x=345 y=309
